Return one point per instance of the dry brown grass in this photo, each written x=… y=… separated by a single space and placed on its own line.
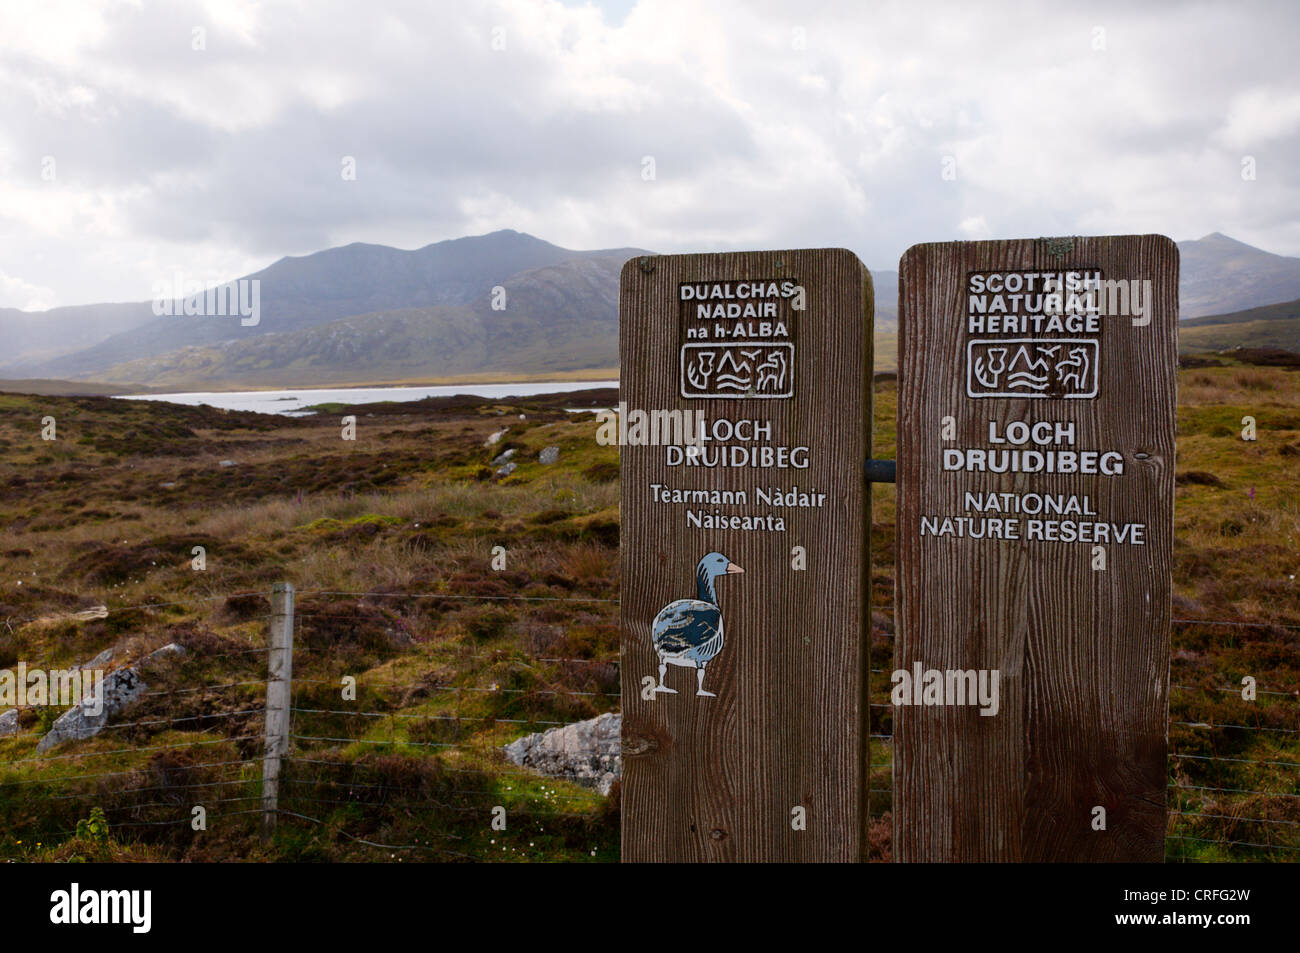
x=1230 y=386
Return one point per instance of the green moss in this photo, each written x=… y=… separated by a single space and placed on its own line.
x=327 y=524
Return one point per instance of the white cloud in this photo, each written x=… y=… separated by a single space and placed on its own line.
x=771 y=126
x=25 y=296
x=1258 y=116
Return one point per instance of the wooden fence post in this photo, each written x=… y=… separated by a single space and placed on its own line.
x=279 y=677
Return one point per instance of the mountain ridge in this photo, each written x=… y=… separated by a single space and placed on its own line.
x=303 y=291
x=1221 y=275
x=559 y=318
x=367 y=311
x=1268 y=326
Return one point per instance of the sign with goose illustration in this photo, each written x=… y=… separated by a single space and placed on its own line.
x=688 y=632
x=744 y=384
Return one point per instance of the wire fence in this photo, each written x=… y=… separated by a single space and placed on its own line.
x=1233 y=790
x=452 y=714
x=185 y=740
x=395 y=738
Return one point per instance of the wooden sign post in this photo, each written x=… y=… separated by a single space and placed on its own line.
x=1035 y=527
x=745 y=418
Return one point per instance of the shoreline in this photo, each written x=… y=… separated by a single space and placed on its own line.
x=487 y=377
x=63 y=388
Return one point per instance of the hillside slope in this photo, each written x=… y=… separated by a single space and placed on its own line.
x=1219 y=275
x=33 y=337
x=362 y=313
x=1274 y=325
x=306 y=292
x=559 y=318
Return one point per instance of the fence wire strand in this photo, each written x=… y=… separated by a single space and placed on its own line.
x=1201 y=805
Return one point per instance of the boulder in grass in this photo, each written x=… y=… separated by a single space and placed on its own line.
x=549 y=455
x=503 y=458
x=167 y=651
x=495 y=438
x=88 y=719
x=118 y=691
x=99 y=661
x=508 y=469
x=588 y=752
x=9 y=723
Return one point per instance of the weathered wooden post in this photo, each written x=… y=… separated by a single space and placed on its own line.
x=746 y=417
x=279 y=679
x=1035 y=527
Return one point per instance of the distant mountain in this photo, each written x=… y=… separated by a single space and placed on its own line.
x=32 y=337
x=300 y=293
x=556 y=319
x=1274 y=325
x=1220 y=275
x=362 y=313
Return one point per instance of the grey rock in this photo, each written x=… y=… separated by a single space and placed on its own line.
x=227 y=463
x=496 y=437
x=88 y=719
x=587 y=752
x=508 y=469
x=167 y=651
x=503 y=457
x=9 y=723
x=99 y=661
x=118 y=691
x=549 y=455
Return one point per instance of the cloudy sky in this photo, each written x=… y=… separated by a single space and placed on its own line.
x=142 y=139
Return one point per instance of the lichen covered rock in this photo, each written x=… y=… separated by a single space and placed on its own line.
x=587 y=752
x=119 y=690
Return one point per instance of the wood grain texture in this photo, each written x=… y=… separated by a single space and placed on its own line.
x=716 y=779
x=1083 y=654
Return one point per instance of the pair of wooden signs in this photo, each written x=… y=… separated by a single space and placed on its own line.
x=1028 y=684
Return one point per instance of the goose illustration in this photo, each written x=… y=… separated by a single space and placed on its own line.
x=689 y=631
